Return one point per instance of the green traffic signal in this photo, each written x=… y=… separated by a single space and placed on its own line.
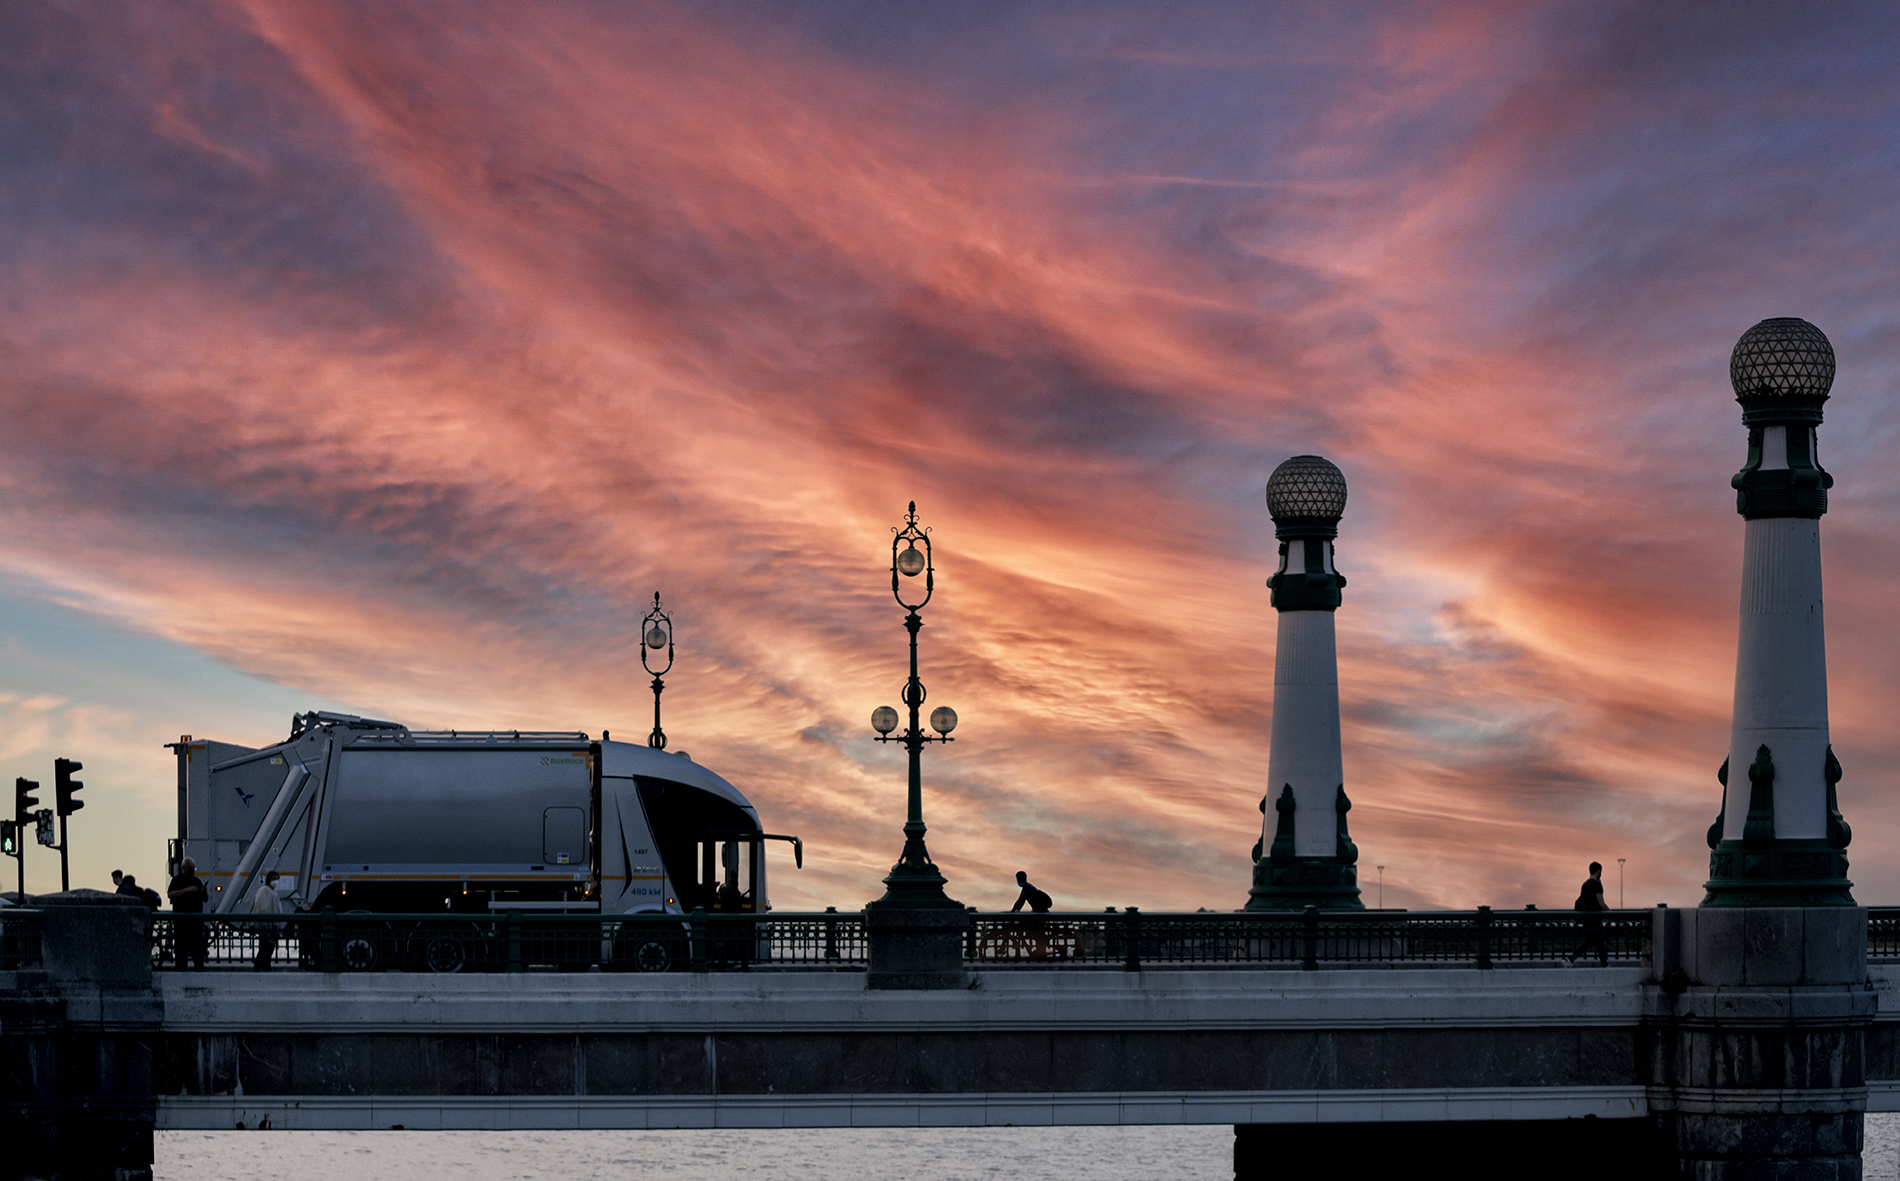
x=9 y=838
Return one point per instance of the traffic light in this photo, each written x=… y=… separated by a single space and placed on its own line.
x=24 y=801
x=44 y=833
x=9 y=838
x=65 y=786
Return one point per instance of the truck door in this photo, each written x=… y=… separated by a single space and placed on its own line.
x=564 y=836
x=725 y=876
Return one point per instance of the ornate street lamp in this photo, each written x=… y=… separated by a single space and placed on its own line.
x=914 y=882
x=656 y=632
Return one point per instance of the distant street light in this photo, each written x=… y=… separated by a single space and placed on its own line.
x=1619 y=882
x=1381 y=887
x=656 y=632
x=914 y=880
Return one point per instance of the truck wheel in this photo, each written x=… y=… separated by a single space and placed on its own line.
x=651 y=955
x=359 y=953
x=445 y=953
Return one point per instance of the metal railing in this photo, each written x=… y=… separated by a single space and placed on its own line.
x=1883 y=933
x=19 y=939
x=1131 y=939
x=511 y=942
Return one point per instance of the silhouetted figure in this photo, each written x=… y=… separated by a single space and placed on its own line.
x=1591 y=905
x=1037 y=900
x=188 y=897
x=129 y=886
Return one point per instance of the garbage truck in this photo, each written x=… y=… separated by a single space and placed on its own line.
x=358 y=814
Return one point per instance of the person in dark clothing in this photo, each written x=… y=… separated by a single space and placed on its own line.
x=188 y=896
x=129 y=886
x=1037 y=900
x=1591 y=905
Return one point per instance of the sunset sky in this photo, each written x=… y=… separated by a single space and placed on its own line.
x=388 y=357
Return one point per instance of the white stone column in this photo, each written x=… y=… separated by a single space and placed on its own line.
x=1779 y=838
x=1781 y=677
x=1305 y=750
x=1304 y=857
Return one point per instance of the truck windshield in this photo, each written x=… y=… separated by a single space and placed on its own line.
x=709 y=845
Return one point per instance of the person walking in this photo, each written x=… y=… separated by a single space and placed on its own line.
x=265 y=900
x=188 y=897
x=1590 y=904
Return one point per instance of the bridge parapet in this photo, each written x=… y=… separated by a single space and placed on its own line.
x=1127 y=940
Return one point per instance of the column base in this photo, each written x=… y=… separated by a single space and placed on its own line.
x=1713 y=1146
x=1786 y=873
x=1293 y=883
x=915 y=948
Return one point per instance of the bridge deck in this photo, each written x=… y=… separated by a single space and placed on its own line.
x=814 y=1050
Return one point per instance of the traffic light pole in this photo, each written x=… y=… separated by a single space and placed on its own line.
x=23 y=803
x=66 y=802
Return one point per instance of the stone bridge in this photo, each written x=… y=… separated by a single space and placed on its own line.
x=1743 y=1033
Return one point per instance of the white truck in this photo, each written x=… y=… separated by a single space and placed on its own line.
x=365 y=815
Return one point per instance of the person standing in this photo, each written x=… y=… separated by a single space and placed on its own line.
x=1591 y=905
x=265 y=900
x=188 y=897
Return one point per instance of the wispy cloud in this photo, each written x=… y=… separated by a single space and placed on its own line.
x=396 y=355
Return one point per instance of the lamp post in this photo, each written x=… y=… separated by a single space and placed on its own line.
x=1381 y=870
x=656 y=632
x=914 y=882
x=1619 y=882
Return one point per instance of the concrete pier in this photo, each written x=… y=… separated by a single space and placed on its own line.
x=76 y=1037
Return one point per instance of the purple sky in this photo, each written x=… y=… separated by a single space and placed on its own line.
x=388 y=357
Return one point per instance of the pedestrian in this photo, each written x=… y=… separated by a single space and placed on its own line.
x=188 y=897
x=265 y=900
x=1591 y=905
x=118 y=880
x=130 y=888
x=1037 y=900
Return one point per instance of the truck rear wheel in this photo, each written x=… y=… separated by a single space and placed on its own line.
x=359 y=953
x=445 y=953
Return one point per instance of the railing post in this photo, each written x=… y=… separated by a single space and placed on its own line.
x=326 y=941
x=514 y=942
x=699 y=940
x=1131 y=928
x=969 y=936
x=1310 y=959
x=831 y=934
x=1484 y=939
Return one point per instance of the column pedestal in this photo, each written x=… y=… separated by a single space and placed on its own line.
x=916 y=948
x=1755 y=1042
